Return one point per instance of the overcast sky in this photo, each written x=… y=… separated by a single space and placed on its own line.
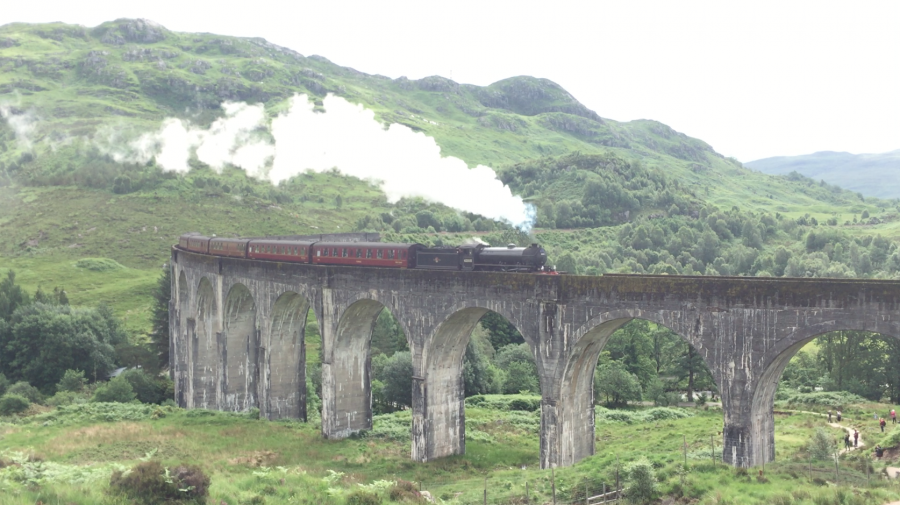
x=754 y=79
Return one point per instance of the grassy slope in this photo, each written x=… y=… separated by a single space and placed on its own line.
x=248 y=458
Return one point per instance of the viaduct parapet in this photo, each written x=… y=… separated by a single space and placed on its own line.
x=238 y=325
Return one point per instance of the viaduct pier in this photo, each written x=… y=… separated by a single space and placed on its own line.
x=237 y=330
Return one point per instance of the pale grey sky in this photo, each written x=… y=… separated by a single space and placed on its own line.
x=754 y=79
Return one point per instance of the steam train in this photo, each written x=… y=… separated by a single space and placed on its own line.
x=475 y=257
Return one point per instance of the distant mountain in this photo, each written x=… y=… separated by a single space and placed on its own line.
x=870 y=174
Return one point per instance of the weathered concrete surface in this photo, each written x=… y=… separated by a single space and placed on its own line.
x=237 y=329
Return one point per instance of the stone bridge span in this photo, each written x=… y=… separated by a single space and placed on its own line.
x=238 y=326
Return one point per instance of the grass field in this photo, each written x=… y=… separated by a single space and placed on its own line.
x=252 y=461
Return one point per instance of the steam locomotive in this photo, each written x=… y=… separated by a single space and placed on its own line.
x=475 y=257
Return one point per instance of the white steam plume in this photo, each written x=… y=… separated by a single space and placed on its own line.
x=230 y=140
x=409 y=164
x=22 y=124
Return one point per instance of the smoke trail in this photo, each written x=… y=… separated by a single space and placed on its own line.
x=23 y=125
x=232 y=139
x=407 y=163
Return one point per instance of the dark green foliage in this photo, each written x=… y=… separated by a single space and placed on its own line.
x=500 y=331
x=42 y=341
x=521 y=371
x=362 y=497
x=117 y=390
x=159 y=333
x=26 y=390
x=11 y=296
x=387 y=336
x=151 y=483
x=392 y=384
x=479 y=374
x=13 y=404
x=146 y=388
x=4 y=384
x=72 y=380
x=614 y=385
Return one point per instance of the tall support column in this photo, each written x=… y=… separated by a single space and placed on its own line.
x=347 y=366
x=439 y=399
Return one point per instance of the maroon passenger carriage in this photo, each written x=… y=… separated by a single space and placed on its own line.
x=280 y=250
x=370 y=254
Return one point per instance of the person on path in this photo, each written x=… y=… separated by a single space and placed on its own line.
x=829 y=416
x=855 y=438
x=893 y=416
x=879 y=452
x=847 y=441
x=839 y=416
x=882 y=422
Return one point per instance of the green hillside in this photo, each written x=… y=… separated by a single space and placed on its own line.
x=610 y=196
x=870 y=174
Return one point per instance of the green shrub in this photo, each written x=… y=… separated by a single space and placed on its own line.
x=640 y=483
x=13 y=404
x=117 y=390
x=700 y=400
x=528 y=403
x=363 y=497
x=833 y=399
x=405 y=491
x=64 y=398
x=25 y=389
x=72 y=380
x=149 y=482
x=821 y=445
x=4 y=384
x=146 y=389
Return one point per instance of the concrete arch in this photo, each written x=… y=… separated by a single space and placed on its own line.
x=285 y=359
x=347 y=368
x=762 y=405
x=439 y=427
x=576 y=389
x=204 y=347
x=241 y=339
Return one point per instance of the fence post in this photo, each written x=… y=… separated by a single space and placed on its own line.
x=553 y=484
x=712 y=452
x=617 y=478
x=527 y=497
x=485 y=491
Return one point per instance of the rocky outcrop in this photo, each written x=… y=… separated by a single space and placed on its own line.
x=531 y=96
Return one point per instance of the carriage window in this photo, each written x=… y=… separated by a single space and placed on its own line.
x=303 y=251
x=318 y=253
x=403 y=255
x=390 y=254
x=359 y=253
x=380 y=253
x=344 y=253
x=368 y=253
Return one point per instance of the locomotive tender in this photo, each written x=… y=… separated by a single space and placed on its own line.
x=476 y=257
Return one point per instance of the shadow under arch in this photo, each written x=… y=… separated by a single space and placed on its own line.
x=575 y=406
x=204 y=378
x=762 y=405
x=439 y=427
x=179 y=351
x=241 y=339
x=347 y=370
x=285 y=357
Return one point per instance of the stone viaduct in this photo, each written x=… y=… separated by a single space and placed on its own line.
x=237 y=331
